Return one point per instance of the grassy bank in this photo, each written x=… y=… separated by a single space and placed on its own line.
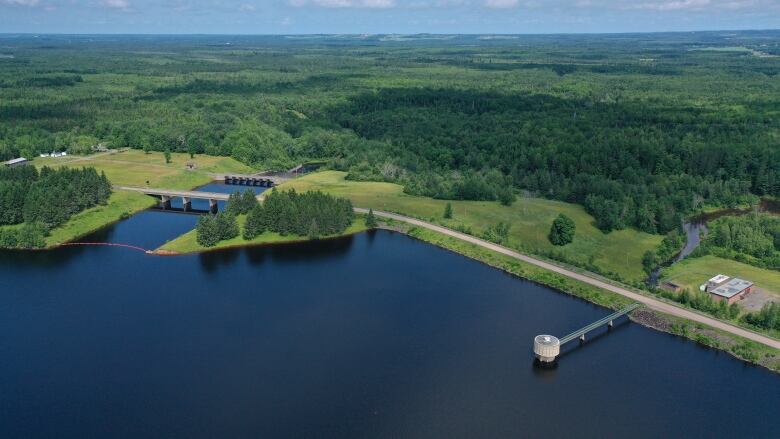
x=739 y=347
x=120 y=205
x=529 y=218
x=136 y=168
x=187 y=243
x=133 y=168
x=692 y=272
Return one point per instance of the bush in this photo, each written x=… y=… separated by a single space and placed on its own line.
x=562 y=230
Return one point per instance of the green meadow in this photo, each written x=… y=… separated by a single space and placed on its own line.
x=529 y=218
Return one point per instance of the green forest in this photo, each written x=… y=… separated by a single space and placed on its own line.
x=640 y=131
x=40 y=201
x=753 y=239
x=310 y=214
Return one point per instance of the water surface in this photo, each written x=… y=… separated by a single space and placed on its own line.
x=377 y=335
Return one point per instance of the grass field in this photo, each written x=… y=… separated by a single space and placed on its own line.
x=121 y=204
x=136 y=168
x=530 y=219
x=133 y=168
x=187 y=243
x=692 y=272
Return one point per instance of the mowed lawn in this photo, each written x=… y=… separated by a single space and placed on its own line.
x=529 y=218
x=136 y=168
x=692 y=272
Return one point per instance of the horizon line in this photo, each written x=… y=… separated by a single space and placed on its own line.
x=365 y=34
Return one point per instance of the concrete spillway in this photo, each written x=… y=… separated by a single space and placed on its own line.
x=548 y=347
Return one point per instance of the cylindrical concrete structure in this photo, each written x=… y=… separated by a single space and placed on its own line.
x=546 y=348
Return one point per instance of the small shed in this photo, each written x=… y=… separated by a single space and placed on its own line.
x=16 y=162
x=671 y=286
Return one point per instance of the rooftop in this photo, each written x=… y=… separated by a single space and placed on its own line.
x=15 y=161
x=719 y=279
x=732 y=287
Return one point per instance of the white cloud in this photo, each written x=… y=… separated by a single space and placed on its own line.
x=20 y=2
x=355 y=4
x=117 y=4
x=502 y=4
x=674 y=5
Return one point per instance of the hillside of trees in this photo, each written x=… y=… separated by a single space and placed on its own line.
x=639 y=129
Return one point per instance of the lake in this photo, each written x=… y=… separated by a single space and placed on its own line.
x=376 y=335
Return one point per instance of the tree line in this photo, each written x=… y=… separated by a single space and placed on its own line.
x=753 y=238
x=629 y=163
x=312 y=214
x=44 y=200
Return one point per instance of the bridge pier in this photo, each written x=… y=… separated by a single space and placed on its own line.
x=213 y=208
x=165 y=201
x=186 y=203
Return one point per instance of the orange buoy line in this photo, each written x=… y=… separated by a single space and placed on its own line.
x=109 y=244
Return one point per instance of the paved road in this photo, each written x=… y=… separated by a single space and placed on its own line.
x=176 y=193
x=648 y=301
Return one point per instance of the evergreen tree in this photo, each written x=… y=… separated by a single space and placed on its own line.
x=314 y=230
x=206 y=231
x=227 y=225
x=255 y=222
x=167 y=154
x=371 y=219
x=448 y=211
x=649 y=261
x=248 y=201
x=234 y=203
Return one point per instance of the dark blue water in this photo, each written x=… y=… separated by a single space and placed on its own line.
x=377 y=335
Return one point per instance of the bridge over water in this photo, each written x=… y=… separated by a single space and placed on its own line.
x=166 y=195
x=548 y=347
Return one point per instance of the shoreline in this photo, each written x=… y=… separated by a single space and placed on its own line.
x=165 y=252
x=739 y=347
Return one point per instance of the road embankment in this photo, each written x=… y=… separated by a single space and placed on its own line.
x=650 y=302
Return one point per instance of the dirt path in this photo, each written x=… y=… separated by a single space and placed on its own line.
x=646 y=300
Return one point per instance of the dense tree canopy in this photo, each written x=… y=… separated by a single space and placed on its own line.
x=50 y=197
x=641 y=131
x=752 y=238
x=310 y=214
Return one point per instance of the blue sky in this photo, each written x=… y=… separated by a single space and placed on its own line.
x=383 y=16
